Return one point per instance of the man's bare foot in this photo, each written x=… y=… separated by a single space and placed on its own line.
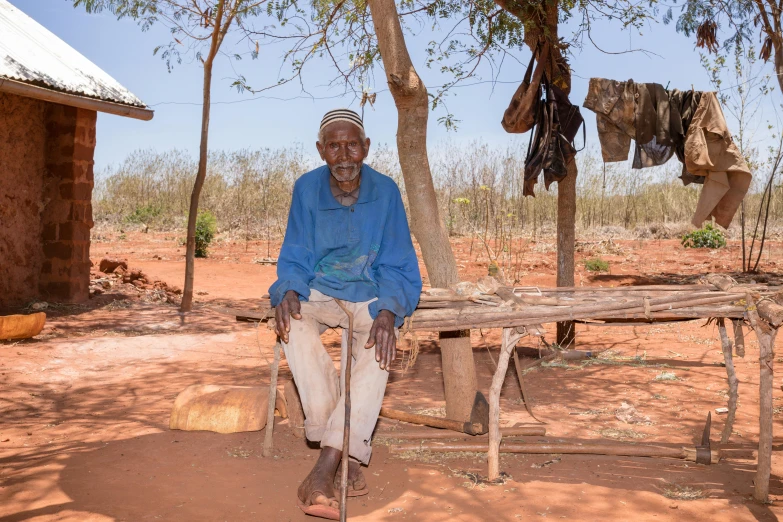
x=356 y=481
x=317 y=487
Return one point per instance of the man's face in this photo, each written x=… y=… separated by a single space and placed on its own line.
x=343 y=150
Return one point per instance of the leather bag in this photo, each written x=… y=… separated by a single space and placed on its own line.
x=551 y=147
x=520 y=116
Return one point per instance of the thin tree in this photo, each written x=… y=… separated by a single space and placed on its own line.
x=198 y=28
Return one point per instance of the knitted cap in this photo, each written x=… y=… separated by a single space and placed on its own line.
x=342 y=115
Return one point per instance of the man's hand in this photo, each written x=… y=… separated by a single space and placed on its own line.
x=288 y=307
x=383 y=338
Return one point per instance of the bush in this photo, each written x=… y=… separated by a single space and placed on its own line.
x=596 y=265
x=206 y=226
x=707 y=237
x=145 y=214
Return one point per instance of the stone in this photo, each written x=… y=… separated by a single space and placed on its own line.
x=107 y=266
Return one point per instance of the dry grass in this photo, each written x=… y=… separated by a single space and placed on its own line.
x=680 y=492
x=479 y=191
x=624 y=434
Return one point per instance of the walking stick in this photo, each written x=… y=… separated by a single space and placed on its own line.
x=347 y=425
x=270 y=414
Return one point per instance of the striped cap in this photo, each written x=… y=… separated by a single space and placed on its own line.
x=341 y=115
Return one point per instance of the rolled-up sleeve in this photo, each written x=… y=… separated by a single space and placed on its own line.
x=396 y=268
x=295 y=265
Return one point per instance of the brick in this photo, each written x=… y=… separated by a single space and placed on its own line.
x=58 y=250
x=65 y=150
x=56 y=211
x=49 y=232
x=60 y=171
x=82 y=152
x=80 y=172
x=81 y=250
x=57 y=289
x=46 y=267
x=74 y=231
x=76 y=191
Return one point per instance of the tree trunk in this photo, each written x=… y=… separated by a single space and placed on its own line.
x=190 y=252
x=541 y=21
x=410 y=97
x=566 y=237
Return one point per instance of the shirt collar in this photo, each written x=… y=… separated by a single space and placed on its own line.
x=368 y=191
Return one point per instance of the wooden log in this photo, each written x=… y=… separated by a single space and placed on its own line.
x=636 y=288
x=562 y=448
x=732 y=379
x=519 y=431
x=765 y=333
x=510 y=338
x=270 y=415
x=542 y=314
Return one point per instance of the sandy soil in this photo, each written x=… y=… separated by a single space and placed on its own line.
x=84 y=406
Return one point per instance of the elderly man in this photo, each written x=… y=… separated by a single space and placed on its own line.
x=348 y=240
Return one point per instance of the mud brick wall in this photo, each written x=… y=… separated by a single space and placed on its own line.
x=46 y=182
x=66 y=218
x=22 y=164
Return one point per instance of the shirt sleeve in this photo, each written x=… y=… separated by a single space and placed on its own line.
x=295 y=265
x=396 y=268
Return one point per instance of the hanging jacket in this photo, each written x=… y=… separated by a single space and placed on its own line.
x=711 y=152
x=689 y=124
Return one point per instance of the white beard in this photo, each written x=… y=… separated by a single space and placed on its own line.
x=342 y=175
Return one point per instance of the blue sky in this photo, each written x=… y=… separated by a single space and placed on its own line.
x=125 y=52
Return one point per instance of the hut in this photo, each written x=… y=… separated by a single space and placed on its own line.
x=49 y=99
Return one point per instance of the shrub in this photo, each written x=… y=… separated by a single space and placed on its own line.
x=596 y=265
x=206 y=226
x=707 y=237
x=144 y=214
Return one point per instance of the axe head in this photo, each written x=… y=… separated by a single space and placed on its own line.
x=479 y=416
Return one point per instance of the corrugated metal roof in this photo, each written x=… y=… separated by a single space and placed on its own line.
x=32 y=54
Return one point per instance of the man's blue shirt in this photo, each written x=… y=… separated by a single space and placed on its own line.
x=353 y=253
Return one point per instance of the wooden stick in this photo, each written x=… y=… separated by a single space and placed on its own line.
x=733 y=382
x=739 y=337
x=347 y=425
x=766 y=336
x=426 y=420
x=566 y=448
x=510 y=338
x=270 y=411
x=465 y=320
x=520 y=431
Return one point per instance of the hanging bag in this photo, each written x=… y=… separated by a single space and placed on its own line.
x=520 y=116
x=551 y=146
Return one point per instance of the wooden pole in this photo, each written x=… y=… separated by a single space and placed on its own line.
x=510 y=338
x=520 y=431
x=766 y=331
x=346 y=362
x=566 y=448
x=733 y=381
x=270 y=411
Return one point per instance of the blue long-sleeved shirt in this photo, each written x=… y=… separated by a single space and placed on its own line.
x=352 y=253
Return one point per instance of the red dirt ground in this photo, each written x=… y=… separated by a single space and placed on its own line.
x=85 y=407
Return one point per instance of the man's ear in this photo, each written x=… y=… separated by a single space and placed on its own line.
x=320 y=149
x=366 y=148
